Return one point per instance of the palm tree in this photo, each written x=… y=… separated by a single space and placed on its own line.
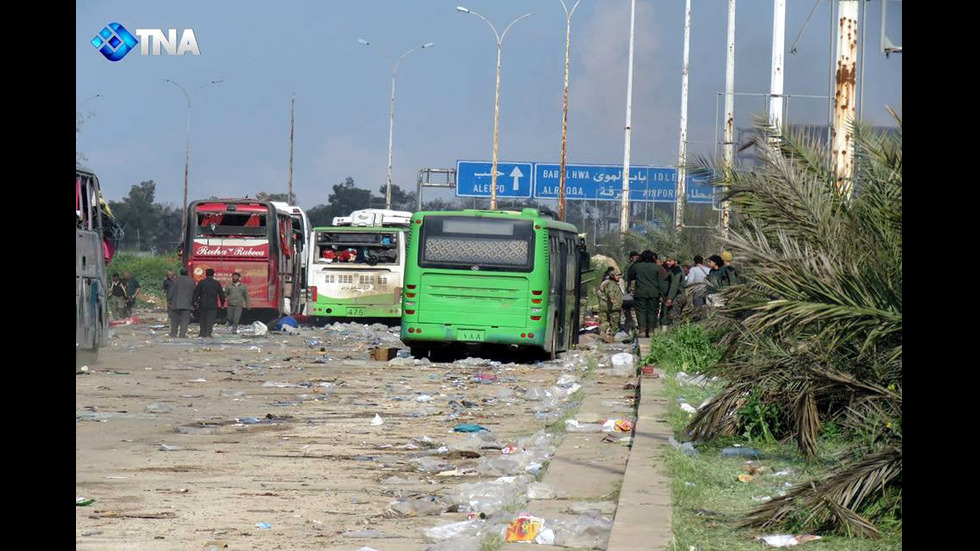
x=817 y=330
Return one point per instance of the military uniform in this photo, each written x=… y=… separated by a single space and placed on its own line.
x=117 y=299
x=648 y=277
x=236 y=296
x=610 y=307
x=675 y=299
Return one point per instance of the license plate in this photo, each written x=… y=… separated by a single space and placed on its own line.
x=355 y=311
x=472 y=335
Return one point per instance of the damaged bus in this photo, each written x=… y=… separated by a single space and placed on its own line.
x=258 y=239
x=355 y=266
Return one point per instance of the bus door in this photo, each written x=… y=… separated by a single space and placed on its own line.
x=558 y=261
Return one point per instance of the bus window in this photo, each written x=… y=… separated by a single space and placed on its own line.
x=466 y=243
x=215 y=224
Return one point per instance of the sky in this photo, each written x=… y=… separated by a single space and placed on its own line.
x=267 y=52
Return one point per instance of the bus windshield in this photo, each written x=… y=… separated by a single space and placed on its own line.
x=357 y=247
x=231 y=224
x=467 y=243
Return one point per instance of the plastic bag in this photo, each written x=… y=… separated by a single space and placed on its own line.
x=452 y=530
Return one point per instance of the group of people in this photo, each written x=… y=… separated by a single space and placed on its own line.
x=122 y=295
x=205 y=296
x=655 y=292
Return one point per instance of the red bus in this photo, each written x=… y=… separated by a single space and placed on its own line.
x=254 y=238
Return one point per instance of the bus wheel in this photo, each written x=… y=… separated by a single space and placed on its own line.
x=420 y=352
x=553 y=353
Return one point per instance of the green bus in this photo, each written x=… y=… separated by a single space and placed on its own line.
x=476 y=277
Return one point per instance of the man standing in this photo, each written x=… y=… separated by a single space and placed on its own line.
x=180 y=298
x=117 y=298
x=207 y=295
x=696 y=280
x=237 y=297
x=167 y=282
x=629 y=309
x=646 y=274
x=132 y=291
x=610 y=304
x=675 y=298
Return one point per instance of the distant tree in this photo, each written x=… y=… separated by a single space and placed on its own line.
x=400 y=199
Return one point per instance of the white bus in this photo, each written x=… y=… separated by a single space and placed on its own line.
x=355 y=267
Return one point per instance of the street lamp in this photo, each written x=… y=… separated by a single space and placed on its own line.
x=496 y=103
x=391 y=109
x=187 y=157
x=564 y=110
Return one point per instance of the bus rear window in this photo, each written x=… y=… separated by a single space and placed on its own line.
x=364 y=248
x=492 y=244
x=214 y=224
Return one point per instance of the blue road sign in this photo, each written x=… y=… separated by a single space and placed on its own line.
x=473 y=179
x=604 y=183
x=587 y=182
x=700 y=190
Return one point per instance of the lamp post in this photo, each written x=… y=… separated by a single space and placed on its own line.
x=391 y=109
x=496 y=103
x=564 y=109
x=187 y=157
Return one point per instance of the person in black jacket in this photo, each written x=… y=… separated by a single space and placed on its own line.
x=180 y=297
x=207 y=296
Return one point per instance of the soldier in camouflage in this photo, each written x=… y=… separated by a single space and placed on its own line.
x=675 y=298
x=610 y=297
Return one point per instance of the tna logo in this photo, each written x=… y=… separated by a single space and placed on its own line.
x=115 y=41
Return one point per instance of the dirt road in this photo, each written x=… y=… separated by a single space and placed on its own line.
x=300 y=441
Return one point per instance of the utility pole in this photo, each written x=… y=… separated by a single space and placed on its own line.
x=624 y=208
x=682 y=147
x=844 y=94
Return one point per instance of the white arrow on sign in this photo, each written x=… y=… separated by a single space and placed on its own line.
x=516 y=174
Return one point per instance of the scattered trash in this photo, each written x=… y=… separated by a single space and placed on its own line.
x=524 y=528
x=248 y=420
x=485 y=378
x=83 y=501
x=158 y=408
x=88 y=533
x=215 y=545
x=787 y=540
x=687 y=448
x=423 y=398
x=617 y=425
x=168 y=448
x=585 y=531
x=383 y=354
x=451 y=531
x=366 y=534
x=469 y=428
x=622 y=365
x=400 y=481
x=259 y=329
x=508 y=449
x=571 y=425
x=420 y=507
x=733 y=451
x=541 y=490
x=745 y=477
x=688 y=407
x=263 y=525
x=433 y=464
x=377 y=421
x=593 y=507
x=274 y=384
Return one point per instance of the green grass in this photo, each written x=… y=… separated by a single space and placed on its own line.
x=688 y=347
x=148 y=270
x=492 y=542
x=708 y=498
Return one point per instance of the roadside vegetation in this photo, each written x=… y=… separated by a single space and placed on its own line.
x=804 y=361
